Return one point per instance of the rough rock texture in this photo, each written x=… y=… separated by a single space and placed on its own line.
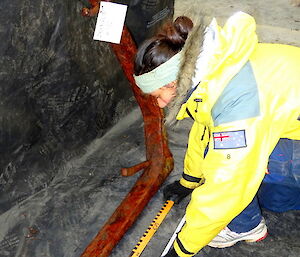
x=59 y=90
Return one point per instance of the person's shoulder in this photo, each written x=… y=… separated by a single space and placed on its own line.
x=241 y=19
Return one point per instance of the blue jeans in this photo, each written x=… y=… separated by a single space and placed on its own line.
x=280 y=189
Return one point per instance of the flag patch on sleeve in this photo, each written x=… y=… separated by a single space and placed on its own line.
x=229 y=139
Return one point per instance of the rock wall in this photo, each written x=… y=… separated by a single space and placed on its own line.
x=59 y=89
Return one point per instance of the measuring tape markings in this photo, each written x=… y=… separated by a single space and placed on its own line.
x=144 y=240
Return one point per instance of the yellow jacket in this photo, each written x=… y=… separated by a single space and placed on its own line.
x=247 y=101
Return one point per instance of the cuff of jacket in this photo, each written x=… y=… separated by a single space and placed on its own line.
x=190 y=181
x=180 y=250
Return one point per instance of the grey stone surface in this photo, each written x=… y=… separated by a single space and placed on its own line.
x=277 y=20
x=59 y=90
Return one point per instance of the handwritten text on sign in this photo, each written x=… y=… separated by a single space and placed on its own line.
x=110 y=22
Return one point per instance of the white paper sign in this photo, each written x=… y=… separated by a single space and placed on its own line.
x=110 y=22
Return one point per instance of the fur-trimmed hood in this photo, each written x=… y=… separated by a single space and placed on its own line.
x=230 y=46
x=190 y=53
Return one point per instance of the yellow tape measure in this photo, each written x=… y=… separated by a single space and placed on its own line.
x=144 y=240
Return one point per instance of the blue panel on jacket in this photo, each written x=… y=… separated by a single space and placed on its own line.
x=239 y=100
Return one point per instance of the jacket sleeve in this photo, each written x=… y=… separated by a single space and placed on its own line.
x=232 y=178
x=192 y=175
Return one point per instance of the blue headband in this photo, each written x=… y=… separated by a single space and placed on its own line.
x=160 y=76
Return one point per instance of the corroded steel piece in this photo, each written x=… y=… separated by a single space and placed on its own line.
x=157 y=167
x=134 y=169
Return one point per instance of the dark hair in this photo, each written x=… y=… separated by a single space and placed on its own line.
x=161 y=47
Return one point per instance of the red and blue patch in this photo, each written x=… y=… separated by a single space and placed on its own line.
x=229 y=139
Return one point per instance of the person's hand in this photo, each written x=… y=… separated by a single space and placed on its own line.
x=176 y=192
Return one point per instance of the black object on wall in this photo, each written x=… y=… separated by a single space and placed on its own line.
x=144 y=17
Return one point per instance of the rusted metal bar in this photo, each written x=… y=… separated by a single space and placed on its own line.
x=93 y=10
x=134 y=169
x=157 y=167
